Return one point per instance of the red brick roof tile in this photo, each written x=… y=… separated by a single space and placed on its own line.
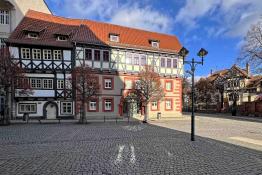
x=88 y=31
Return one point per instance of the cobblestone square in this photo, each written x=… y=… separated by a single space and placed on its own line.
x=122 y=148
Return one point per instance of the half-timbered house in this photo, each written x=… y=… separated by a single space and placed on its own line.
x=48 y=47
x=43 y=49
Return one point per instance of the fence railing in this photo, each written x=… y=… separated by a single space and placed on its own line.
x=251 y=108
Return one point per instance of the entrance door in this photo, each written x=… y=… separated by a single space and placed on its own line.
x=51 y=111
x=131 y=109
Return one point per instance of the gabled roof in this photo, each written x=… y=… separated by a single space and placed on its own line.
x=217 y=74
x=46 y=37
x=254 y=81
x=242 y=71
x=88 y=31
x=224 y=72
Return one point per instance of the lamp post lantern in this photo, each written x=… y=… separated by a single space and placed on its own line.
x=202 y=53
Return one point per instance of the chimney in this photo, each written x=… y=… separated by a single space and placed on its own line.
x=248 y=69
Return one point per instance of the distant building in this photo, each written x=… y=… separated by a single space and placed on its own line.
x=13 y=11
x=238 y=80
x=49 y=47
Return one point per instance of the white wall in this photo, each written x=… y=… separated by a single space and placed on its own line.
x=19 y=11
x=40 y=105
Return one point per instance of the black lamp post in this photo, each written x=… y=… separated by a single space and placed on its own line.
x=202 y=53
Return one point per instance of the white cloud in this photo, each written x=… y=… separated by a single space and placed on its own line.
x=87 y=8
x=232 y=17
x=128 y=14
x=145 y=18
x=194 y=9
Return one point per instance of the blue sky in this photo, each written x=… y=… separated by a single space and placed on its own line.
x=219 y=26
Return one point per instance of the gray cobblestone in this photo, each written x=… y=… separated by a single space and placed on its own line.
x=103 y=148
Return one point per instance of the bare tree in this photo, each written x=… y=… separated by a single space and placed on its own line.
x=186 y=92
x=219 y=86
x=86 y=85
x=205 y=92
x=251 y=51
x=10 y=76
x=149 y=88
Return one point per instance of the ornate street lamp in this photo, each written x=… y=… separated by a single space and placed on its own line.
x=202 y=53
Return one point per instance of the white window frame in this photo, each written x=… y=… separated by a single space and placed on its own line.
x=47 y=54
x=161 y=61
x=114 y=38
x=108 y=54
x=33 y=35
x=108 y=104
x=173 y=62
x=4 y=17
x=126 y=84
x=61 y=38
x=47 y=84
x=167 y=87
x=154 y=105
x=87 y=51
x=108 y=83
x=136 y=59
x=92 y=105
x=168 y=104
x=60 y=84
x=97 y=54
x=66 y=108
x=36 y=83
x=25 y=53
x=129 y=58
x=169 y=59
x=57 y=55
x=27 y=107
x=141 y=58
x=36 y=54
x=155 y=44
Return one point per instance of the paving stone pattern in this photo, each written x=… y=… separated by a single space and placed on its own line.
x=110 y=148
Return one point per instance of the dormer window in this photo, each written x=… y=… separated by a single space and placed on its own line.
x=114 y=37
x=155 y=44
x=62 y=38
x=33 y=35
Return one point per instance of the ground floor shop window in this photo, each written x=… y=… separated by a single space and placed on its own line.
x=27 y=108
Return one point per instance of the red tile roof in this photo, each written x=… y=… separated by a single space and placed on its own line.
x=88 y=31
